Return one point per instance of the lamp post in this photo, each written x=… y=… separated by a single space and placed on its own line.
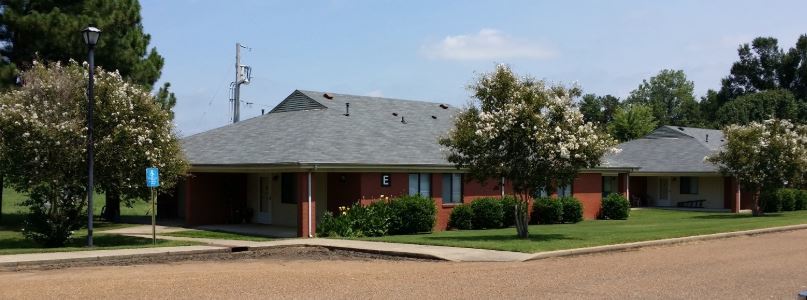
x=90 y=35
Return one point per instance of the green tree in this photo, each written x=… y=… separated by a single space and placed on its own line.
x=763 y=66
x=49 y=31
x=759 y=106
x=598 y=109
x=166 y=99
x=670 y=96
x=764 y=156
x=632 y=122
x=43 y=142
x=530 y=133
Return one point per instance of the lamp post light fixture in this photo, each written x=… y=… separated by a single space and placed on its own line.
x=90 y=35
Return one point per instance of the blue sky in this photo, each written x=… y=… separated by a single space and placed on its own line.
x=431 y=50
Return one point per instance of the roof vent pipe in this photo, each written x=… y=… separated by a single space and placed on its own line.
x=262 y=111
x=347 y=109
x=403 y=121
x=707 y=137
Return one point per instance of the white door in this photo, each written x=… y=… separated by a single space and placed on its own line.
x=264 y=213
x=664 y=191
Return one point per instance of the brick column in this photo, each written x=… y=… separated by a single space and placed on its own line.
x=303 y=193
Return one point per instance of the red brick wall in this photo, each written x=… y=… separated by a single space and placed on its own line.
x=371 y=185
x=211 y=197
x=344 y=189
x=587 y=188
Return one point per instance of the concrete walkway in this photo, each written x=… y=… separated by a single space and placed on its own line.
x=94 y=255
x=410 y=250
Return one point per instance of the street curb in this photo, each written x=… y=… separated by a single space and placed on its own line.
x=664 y=242
x=32 y=263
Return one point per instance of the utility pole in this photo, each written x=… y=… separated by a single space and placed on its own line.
x=242 y=76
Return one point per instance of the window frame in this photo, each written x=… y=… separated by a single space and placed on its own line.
x=448 y=188
x=692 y=186
x=419 y=180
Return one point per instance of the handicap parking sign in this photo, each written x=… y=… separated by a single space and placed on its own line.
x=152 y=177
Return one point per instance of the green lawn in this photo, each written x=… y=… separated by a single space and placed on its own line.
x=209 y=234
x=643 y=225
x=13 y=242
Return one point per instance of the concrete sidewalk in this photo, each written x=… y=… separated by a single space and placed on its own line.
x=96 y=255
x=410 y=250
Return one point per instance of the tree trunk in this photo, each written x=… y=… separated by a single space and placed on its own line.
x=112 y=210
x=522 y=217
x=2 y=188
x=757 y=211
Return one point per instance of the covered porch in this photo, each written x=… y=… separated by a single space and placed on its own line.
x=703 y=192
x=259 y=202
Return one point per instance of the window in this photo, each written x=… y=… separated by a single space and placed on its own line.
x=288 y=188
x=689 y=185
x=420 y=183
x=565 y=190
x=452 y=188
x=609 y=185
x=541 y=193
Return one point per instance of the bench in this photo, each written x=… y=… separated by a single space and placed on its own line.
x=691 y=203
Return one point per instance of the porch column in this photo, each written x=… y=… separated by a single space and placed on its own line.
x=622 y=182
x=306 y=205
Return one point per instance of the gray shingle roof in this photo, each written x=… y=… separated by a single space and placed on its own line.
x=670 y=149
x=307 y=127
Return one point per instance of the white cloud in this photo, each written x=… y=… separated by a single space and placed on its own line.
x=487 y=44
x=375 y=93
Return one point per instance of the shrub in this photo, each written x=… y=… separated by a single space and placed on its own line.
x=572 y=209
x=53 y=227
x=371 y=220
x=336 y=226
x=509 y=211
x=801 y=200
x=769 y=202
x=788 y=199
x=412 y=214
x=615 y=207
x=487 y=213
x=461 y=217
x=546 y=210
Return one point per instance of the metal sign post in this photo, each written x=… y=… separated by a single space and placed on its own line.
x=153 y=181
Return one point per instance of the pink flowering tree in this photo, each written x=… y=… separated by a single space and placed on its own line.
x=523 y=130
x=43 y=144
x=764 y=156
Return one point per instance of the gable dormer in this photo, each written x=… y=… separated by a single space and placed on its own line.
x=297 y=101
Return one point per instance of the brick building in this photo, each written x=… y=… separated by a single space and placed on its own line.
x=317 y=151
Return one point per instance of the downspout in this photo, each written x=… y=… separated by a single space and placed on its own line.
x=309 y=205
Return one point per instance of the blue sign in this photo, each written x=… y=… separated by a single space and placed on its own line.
x=152 y=177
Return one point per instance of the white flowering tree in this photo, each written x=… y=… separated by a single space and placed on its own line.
x=523 y=130
x=764 y=156
x=43 y=144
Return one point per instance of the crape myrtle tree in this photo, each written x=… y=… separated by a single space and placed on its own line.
x=530 y=133
x=764 y=156
x=43 y=144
